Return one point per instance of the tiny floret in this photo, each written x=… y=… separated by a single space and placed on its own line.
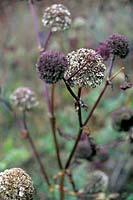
x=118 y=45
x=23 y=98
x=51 y=66
x=57 y=17
x=16 y=184
x=122 y=119
x=85 y=67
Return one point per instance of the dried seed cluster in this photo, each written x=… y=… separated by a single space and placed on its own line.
x=122 y=119
x=85 y=67
x=118 y=45
x=23 y=98
x=57 y=17
x=16 y=184
x=51 y=66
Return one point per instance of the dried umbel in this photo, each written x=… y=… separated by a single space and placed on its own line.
x=16 y=184
x=57 y=17
x=51 y=66
x=85 y=67
x=122 y=119
x=23 y=98
x=118 y=45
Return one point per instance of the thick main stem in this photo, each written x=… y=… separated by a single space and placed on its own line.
x=35 y=152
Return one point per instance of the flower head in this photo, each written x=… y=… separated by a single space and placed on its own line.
x=23 y=98
x=57 y=17
x=118 y=45
x=16 y=184
x=122 y=119
x=51 y=66
x=103 y=50
x=85 y=67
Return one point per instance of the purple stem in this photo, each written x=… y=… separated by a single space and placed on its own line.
x=111 y=66
x=47 y=40
x=35 y=22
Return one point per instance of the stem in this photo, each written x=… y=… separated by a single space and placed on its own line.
x=71 y=91
x=47 y=40
x=43 y=47
x=111 y=66
x=62 y=187
x=69 y=174
x=53 y=123
x=35 y=152
x=73 y=149
x=35 y=22
x=36 y=28
x=92 y=111
x=78 y=100
x=79 y=109
x=96 y=103
x=52 y=120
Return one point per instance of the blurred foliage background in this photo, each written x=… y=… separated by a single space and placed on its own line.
x=93 y=22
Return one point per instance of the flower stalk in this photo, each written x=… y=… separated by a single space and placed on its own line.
x=107 y=83
x=35 y=152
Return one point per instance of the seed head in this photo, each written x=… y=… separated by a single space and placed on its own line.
x=122 y=119
x=23 y=98
x=51 y=66
x=85 y=67
x=57 y=17
x=16 y=184
x=118 y=45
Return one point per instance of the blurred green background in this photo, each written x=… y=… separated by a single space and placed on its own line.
x=93 y=22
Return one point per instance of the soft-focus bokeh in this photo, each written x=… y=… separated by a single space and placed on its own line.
x=93 y=22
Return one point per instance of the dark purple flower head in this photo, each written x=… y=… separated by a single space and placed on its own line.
x=122 y=119
x=51 y=66
x=118 y=45
x=103 y=50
